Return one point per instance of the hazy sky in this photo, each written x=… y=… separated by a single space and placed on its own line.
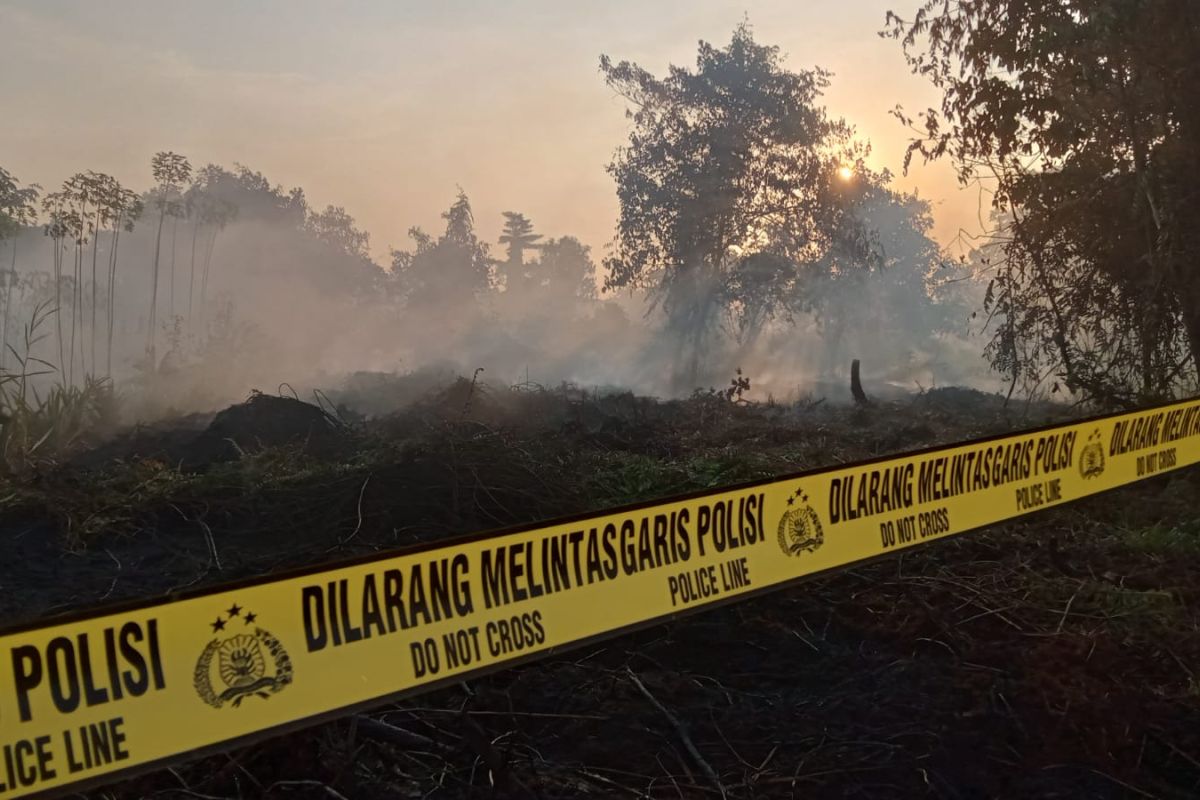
x=385 y=107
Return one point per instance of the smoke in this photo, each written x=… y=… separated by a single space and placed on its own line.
x=282 y=302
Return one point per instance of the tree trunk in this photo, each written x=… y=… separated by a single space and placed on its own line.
x=1191 y=322
x=95 y=254
x=171 y=301
x=77 y=266
x=10 y=287
x=154 y=295
x=58 y=262
x=208 y=253
x=860 y=397
x=192 y=272
x=112 y=290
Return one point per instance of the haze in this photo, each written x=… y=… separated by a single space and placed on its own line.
x=386 y=108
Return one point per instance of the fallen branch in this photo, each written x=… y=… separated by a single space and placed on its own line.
x=681 y=731
x=388 y=732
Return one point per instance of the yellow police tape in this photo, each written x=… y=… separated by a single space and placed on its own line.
x=111 y=692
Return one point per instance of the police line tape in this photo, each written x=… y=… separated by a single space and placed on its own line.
x=85 y=699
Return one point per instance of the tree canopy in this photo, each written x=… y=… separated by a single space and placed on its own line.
x=518 y=236
x=448 y=271
x=1083 y=120
x=726 y=187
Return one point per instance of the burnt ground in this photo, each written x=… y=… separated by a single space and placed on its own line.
x=1056 y=656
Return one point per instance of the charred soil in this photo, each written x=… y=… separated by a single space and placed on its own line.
x=1055 y=656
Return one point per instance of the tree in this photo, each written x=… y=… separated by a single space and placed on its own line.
x=102 y=203
x=63 y=223
x=451 y=272
x=1083 y=119
x=18 y=210
x=564 y=271
x=211 y=208
x=121 y=208
x=171 y=172
x=906 y=298
x=725 y=187
x=335 y=227
x=81 y=196
x=519 y=236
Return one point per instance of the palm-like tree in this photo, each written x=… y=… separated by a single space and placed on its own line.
x=83 y=197
x=121 y=208
x=95 y=188
x=59 y=224
x=171 y=171
x=17 y=211
x=519 y=236
x=219 y=214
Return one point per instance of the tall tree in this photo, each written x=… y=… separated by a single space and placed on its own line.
x=518 y=235
x=336 y=228
x=450 y=272
x=121 y=209
x=725 y=183
x=64 y=224
x=18 y=210
x=909 y=295
x=171 y=172
x=1084 y=121
x=97 y=193
x=209 y=213
x=81 y=193
x=564 y=271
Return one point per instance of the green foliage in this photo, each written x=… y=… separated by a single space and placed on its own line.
x=1166 y=541
x=36 y=428
x=1082 y=119
x=734 y=393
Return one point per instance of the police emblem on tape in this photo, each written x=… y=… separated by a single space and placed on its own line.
x=1091 y=458
x=800 y=528
x=239 y=661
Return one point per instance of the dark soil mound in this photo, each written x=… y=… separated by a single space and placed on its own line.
x=266 y=421
x=166 y=441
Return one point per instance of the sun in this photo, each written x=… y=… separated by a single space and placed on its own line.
x=845 y=173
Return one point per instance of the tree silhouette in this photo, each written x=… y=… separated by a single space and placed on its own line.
x=1083 y=119
x=519 y=236
x=82 y=196
x=564 y=271
x=60 y=222
x=121 y=208
x=726 y=183
x=450 y=272
x=171 y=172
x=100 y=199
x=18 y=210
x=336 y=228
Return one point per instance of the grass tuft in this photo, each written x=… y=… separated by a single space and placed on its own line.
x=37 y=428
